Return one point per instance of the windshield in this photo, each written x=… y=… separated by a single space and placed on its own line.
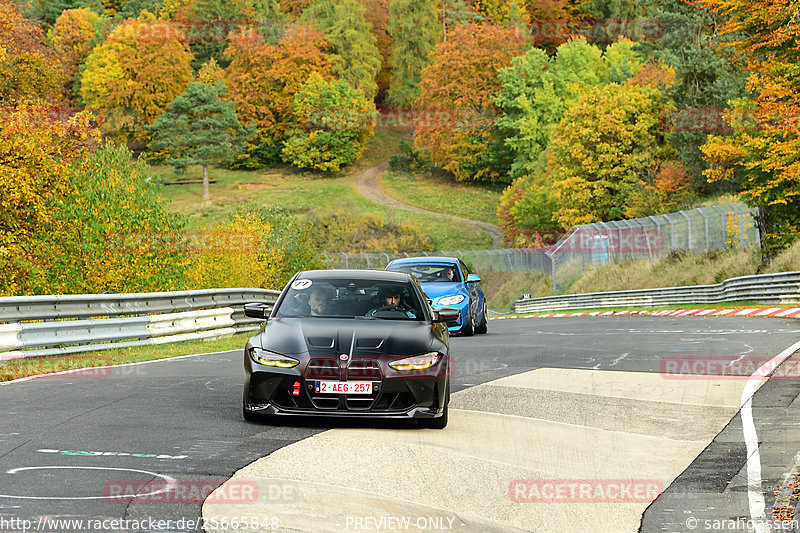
x=430 y=272
x=350 y=299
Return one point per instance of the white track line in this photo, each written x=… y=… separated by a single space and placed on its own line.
x=755 y=495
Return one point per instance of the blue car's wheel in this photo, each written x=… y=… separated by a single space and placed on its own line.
x=483 y=325
x=468 y=329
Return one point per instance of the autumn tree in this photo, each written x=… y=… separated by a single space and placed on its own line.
x=332 y=122
x=208 y=24
x=29 y=68
x=355 y=56
x=37 y=150
x=200 y=128
x=707 y=78
x=457 y=89
x=115 y=234
x=765 y=145
x=71 y=36
x=266 y=249
x=605 y=148
x=536 y=91
x=376 y=13
x=263 y=79
x=133 y=76
x=415 y=28
x=48 y=11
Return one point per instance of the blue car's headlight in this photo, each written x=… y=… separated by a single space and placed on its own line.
x=451 y=300
x=267 y=358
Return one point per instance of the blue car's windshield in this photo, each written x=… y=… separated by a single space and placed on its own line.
x=346 y=299
x=430 y=272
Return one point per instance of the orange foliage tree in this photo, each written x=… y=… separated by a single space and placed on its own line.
x=456 y=91
x=133 y=76
x=28 y=67
x=764 y=150
x=263 y=79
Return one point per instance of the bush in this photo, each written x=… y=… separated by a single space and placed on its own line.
x=254 y=248
x=341 y=232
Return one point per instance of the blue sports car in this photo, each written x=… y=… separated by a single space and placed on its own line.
x=448 y=283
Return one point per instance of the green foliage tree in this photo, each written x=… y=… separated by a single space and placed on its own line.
x=133 y=76
x=377 y=16
x=355 y=58
x=333 y=120
x=115 y=234
x=200 y=128
x=536 y=92
x=612 y=9
x=622 y=61
x=414 y=26
x=707 y=78
x=48 y=11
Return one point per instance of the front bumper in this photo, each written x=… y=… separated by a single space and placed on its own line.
x=395 y=395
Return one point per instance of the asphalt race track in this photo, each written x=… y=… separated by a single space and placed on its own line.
x=618 y=407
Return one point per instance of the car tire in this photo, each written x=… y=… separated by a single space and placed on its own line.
x=483 y=327
x=441 y=422
x=468 y=329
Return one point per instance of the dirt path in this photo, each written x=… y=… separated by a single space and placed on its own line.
x=368 y=183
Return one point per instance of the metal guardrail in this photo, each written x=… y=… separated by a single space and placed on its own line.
x=778 y=289
x=33 y=326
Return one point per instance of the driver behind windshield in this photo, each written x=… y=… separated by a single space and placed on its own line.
x=393 y=301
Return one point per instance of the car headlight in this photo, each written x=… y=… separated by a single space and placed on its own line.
x=451 y=300
x=417 y=362
x=267 y=358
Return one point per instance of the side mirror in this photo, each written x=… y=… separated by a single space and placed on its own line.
x=473 y=278
x=448 y=315
x=257 y=310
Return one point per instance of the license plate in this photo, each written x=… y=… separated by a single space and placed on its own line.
x=343 y=387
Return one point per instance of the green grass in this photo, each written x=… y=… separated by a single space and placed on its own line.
x=502 y=289
x=20 y=368
x=443 y=195
x=305 y=193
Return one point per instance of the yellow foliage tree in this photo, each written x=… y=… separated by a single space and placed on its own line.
x=70 y=36
x=133 y=76
x=36 y=151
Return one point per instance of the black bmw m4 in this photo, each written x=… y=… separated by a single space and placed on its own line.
x=350 y=343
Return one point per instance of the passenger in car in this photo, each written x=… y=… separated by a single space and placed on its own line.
x=393 y=300
x=447 y=274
